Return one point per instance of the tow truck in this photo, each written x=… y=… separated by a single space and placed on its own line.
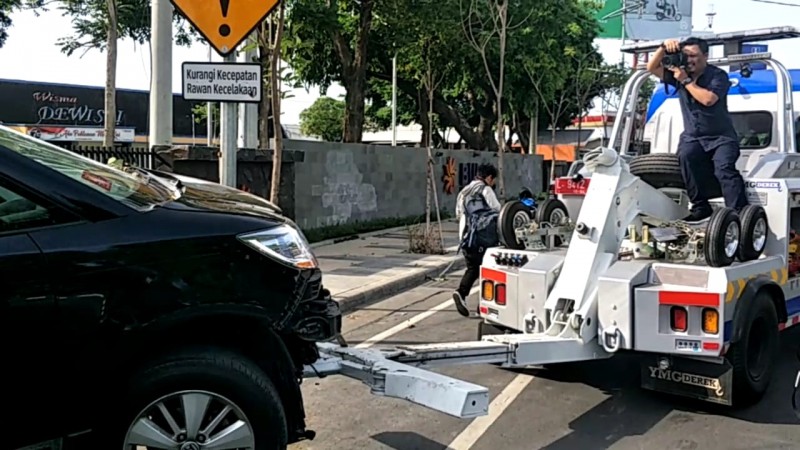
x=701 y=305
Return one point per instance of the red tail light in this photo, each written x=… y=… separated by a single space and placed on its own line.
x=500 y=294
x=679 y=318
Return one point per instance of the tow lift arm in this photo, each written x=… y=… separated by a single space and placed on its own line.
x=614 y=200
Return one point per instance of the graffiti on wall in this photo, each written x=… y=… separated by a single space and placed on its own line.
x=449 y=175
x=344 y=189
x=452 y=178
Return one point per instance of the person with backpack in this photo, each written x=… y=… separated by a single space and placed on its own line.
x=477 y=209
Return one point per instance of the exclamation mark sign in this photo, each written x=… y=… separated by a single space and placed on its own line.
x=224 y=29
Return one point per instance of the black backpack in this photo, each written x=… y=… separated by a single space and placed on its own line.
x=480 y=231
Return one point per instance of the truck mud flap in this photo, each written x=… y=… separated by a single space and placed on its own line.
x=389 y=378
x=687 y=377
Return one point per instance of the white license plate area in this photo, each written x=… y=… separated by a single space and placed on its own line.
x=688 y=345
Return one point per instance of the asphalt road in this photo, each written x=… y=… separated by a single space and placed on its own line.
x=594 y=406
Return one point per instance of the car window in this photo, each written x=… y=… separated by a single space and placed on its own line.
x=19 y=213
x=754 y=129
x=125 y=187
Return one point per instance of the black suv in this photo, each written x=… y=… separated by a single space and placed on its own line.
x=146 y=310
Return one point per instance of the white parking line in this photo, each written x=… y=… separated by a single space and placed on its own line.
x=382 y=336
x=480 y=425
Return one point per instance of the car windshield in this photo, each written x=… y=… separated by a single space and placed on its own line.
x=139 y=192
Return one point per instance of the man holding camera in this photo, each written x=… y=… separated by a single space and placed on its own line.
x=709 y=146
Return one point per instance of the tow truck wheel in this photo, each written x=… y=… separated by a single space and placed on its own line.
x=552 y=211
x=663 y=170
x=753 y=355
x=723 y=238
x=198 y=399
x=754 y=232
x=513 y=215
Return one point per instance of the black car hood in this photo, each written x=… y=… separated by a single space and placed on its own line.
x=209 y=196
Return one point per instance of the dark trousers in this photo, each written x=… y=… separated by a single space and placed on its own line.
x=472 y=273
x=708 y=170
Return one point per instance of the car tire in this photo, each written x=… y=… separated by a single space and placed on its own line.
x=551 y=209
x=755 y=232
x=722 y=221
x=511 y=212
x=227 y=378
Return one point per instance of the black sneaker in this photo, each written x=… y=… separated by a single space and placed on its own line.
x=461 y=304
x=697 y=216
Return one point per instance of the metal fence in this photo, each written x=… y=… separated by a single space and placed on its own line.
x=135 y=156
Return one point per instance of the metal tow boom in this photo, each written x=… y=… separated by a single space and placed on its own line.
x=393 y=373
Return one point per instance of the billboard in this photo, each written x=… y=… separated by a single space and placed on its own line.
x=658 y=19
x=610 y=19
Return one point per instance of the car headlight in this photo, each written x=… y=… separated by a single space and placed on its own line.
x=285 y=243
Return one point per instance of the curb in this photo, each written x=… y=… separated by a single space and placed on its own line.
x=383 y=291
x=366 y=235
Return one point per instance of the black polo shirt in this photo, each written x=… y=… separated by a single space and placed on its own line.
x=708 y=125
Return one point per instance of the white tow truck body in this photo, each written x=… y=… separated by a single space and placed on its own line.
x=628 y=276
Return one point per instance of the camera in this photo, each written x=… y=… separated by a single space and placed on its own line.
x=677 y=59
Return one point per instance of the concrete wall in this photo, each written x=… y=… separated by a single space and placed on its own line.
x=341 y=183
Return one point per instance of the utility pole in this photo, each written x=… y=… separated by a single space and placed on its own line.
x=248 y=112
x=228 y=136
x=210 y=113
x=394 y=101
x=160 y=133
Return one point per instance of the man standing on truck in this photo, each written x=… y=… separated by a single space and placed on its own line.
x=476 y=210
x=709 y=146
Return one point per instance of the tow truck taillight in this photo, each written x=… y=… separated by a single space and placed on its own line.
x=710 y=321
x=487 y=290
x=678 y=318
x=500 y=294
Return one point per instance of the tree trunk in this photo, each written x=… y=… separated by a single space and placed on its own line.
x=354 y=71
x=110 y=107
x=431 y=183
x=276 y=110
x=553 y=143
x=264 y=58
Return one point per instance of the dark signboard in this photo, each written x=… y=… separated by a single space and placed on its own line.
x=34 y=103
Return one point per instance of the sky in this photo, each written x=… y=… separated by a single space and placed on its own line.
x=30 y=53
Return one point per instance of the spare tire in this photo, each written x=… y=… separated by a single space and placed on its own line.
x=513 y=215
x=660 y=170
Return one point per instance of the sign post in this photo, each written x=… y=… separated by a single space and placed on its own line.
x=224 y=25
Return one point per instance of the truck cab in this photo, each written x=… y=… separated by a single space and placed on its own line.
x=752 y=100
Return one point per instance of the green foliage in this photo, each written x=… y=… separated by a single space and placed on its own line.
x=8 y=7
x=324 y=119
x=90 y=24
x=544 y=41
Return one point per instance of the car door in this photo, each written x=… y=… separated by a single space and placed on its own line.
x=28 y=321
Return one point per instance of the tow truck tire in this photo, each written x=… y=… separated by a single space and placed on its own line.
x=549 y=210
x=511 y=212
x=660 y=170
x=663 y=170
x=722 y=222
x=753 y=356
x=230 y=378
x=755 y=230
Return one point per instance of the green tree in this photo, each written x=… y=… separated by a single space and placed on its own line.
x=8 y=7
x=90 y=24
x=324 y=119
x=328 y=41
x=420 y=32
